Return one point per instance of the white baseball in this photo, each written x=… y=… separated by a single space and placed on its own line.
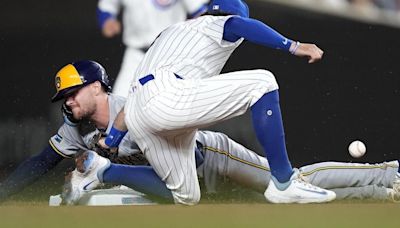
x=357 y=149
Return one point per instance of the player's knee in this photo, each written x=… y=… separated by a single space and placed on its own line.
x=268 y=79
x=189 y=199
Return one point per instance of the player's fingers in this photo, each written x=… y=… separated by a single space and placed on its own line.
x=102 y=142
x=314 y=58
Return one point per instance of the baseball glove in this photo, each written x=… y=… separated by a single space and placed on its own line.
x=133 y=159
x=104 y=152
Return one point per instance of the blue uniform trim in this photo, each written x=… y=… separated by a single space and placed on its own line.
x=115 y=137
x=150 y=77
x=254 y=31
x=102 y=17
x=198 y=157
x=145 y=79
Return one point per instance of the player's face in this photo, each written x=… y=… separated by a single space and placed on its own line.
x=82 y=102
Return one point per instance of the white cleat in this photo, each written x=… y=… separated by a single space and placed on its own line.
x=394 y=193
x=296 y=190
x=87 y=176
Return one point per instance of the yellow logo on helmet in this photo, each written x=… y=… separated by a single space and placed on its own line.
x=58 y=83
x=67 y=77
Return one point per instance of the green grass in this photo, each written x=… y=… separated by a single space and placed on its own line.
x=236 y=207
x=337 y=214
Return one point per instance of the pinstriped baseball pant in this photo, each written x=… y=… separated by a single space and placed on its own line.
x=164 y=114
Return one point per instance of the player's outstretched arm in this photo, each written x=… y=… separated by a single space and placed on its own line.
x=257 y=32
x=29 y=171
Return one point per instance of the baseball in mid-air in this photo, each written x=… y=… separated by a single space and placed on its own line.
x=357 y=149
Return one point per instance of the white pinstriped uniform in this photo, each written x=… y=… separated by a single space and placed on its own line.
x=143 y=20
x=164 y=114
x=224 y=158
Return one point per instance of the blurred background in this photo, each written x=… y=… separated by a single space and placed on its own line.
x=352 y=94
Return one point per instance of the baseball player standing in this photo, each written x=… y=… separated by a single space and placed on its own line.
x=143 y=20
x=179 y=89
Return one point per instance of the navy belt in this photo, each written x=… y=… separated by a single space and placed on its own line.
x=150 y=77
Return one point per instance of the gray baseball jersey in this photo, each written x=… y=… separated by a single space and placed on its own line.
x=164 y=114
x=70 y=139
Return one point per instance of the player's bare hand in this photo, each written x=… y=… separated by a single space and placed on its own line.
x=111 y=27
x=311 y=51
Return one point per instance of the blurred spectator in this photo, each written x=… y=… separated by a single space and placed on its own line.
x=388 y=4
x=382 y=4
x=142 y=20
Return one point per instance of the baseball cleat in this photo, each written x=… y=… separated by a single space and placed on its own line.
x=296 y=190
x=86 y=177
x=394 y=194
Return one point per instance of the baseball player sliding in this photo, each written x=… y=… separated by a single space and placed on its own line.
x=179 y=89
x=91 y=109
x=216 y=154
x=143 y=20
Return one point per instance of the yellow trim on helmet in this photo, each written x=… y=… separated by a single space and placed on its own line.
x=67 y=77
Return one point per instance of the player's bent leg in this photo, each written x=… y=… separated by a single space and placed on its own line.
x=223 y=157
x=139 y=178
x=196 y=103
x=268 y=126
x=173 y=160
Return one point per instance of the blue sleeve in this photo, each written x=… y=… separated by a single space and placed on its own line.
x=30 y=170
x=102 y=17
x=254 y=31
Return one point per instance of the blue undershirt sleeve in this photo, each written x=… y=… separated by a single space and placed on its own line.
x=254 y=31
x=29 y=171
x=102 y=17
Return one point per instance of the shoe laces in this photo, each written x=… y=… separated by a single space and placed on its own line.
x=300 y=179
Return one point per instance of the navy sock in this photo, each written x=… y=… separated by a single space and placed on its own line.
x=140 y=178
x=267 y=123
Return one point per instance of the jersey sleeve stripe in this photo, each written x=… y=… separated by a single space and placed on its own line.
x=380 y=166
x=58 y=151
x=215 y=150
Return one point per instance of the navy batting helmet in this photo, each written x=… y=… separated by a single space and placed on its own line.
x=234 y=7
x=77 y=75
